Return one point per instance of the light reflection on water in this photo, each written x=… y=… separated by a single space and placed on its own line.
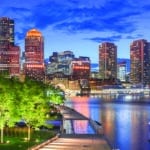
x=79 y=126
x=82 y=127
x=124 y=124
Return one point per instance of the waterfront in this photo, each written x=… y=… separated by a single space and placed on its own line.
x=125 y=125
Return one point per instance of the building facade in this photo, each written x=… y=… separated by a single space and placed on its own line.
x=108 y=60
x=140 y=62
x=9 y=52
x=64 y=64
x=121 y=71
x=80 y=68
x=34 y=55
x=59 y=64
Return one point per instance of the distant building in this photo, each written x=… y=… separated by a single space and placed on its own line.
x=80 y=68
x=9 y=52
x=121 y=71
x=140 y=62
x=34 y=55
x=64 y=64
x=108 y=60
x=59 y=65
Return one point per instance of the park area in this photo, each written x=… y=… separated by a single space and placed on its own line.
x=16 y=138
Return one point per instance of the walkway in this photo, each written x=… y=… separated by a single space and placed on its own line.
x=68 y=140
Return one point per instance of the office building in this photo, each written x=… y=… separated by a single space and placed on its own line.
x=34 y=55
x=9 y=52
x=121 y=71
x=59 y=64
x=80 y=68
x=108 y=60
x=64 y=64
x=140 y=62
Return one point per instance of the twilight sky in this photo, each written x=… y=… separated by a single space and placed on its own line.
x=80 y=25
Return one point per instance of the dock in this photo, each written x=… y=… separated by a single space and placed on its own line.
x=69 y=140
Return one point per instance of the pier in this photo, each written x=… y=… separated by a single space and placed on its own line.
x=69 y=140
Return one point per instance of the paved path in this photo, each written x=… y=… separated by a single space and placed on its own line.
x=73 y=141
x=86 y=142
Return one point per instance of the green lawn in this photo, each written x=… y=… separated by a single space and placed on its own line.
x=19 y=142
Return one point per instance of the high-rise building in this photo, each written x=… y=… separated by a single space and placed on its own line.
x=121 y=71
x=6 y=31
x=34 y=55
x=108 y=60
x=9 y=52
x=140 y=62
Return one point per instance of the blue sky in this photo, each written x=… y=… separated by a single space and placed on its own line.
x=80 y=25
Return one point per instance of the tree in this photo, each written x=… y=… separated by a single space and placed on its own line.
x=6 y=105
x=55 y=95
x=33 y=106
x=28 y=101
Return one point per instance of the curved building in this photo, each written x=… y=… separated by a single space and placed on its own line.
x=34 y=55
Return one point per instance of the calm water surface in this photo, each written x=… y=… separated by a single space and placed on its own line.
x=125 y=124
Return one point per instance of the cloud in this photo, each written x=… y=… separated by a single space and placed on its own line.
x=105 y=39
x=74 y=16
x=94 y=19
x=134 y=36
x=77 y=16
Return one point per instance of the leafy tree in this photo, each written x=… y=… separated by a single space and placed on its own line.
x=6 y=105
x=28 y=101
x=33 y=105
x=55 y=95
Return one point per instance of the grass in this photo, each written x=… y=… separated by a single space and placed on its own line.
x=19 y=142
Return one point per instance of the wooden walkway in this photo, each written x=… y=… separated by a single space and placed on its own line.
x=70 y=141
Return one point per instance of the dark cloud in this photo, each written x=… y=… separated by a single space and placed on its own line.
x=105 y=39
x=134 y=37
x=70 y=17
x=113 y=17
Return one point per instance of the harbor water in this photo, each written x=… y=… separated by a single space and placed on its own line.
x=125 y=119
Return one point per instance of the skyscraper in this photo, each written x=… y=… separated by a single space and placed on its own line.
x=121 y=71
x=6 y=31
x=140 y=62
x=108 y=60
x=34 y=55
x=9 y=52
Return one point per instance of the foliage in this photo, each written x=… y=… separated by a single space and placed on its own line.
x=6 y=105
x=27 y=101
x=55 y=95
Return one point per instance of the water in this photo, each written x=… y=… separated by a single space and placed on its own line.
x=125 y=124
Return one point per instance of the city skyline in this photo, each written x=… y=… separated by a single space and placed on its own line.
x=80 y=26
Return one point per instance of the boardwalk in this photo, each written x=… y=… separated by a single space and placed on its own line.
x=68 y=140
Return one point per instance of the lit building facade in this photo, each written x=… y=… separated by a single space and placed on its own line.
x=34 y=55
x=80 y=68
x=121 y=71
x=64 y=64
x=108 y=60
x=59 y=65
x=140 y=62
x=9 y=52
